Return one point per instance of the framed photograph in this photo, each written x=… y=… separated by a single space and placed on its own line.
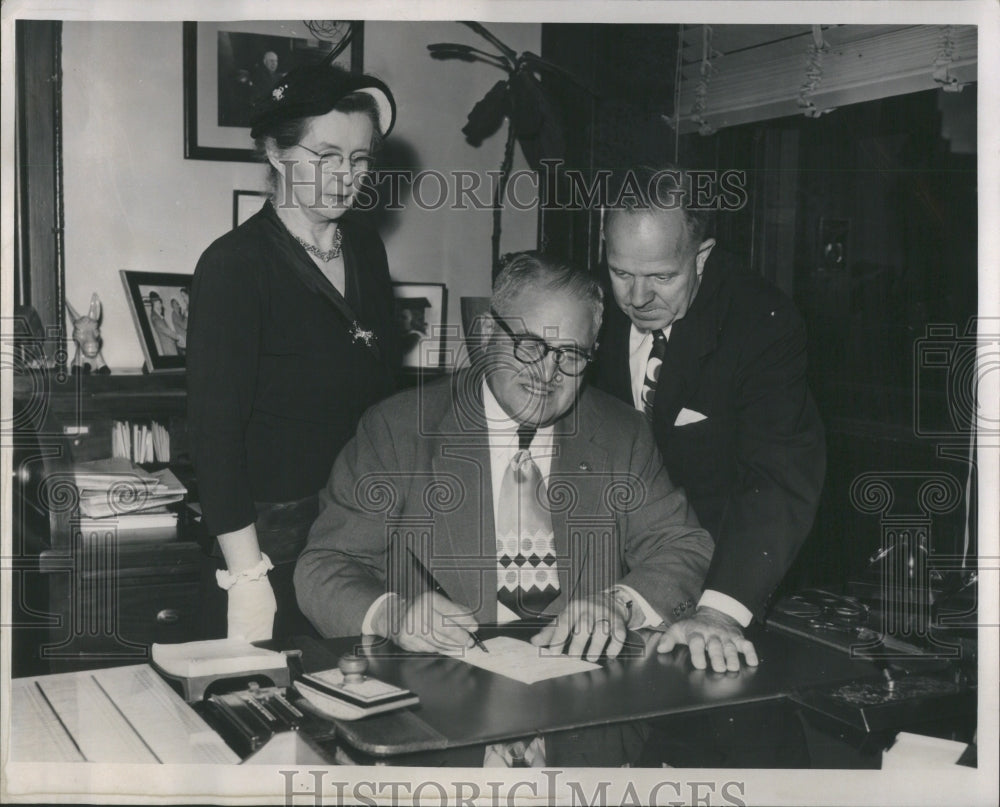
x=245 y=204
x=159 y=302
x=229 y=66
x=421 y=311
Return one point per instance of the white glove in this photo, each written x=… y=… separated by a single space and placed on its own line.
x=250 y=614
x=251 y=607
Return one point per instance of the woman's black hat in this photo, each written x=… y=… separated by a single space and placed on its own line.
x=315 y=90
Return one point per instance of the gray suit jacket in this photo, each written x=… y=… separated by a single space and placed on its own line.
x=417 y=474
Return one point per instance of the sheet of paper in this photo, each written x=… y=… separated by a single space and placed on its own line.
x=36 y=734
x=122 y=714
x=523 y=661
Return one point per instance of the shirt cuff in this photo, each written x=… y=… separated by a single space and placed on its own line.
x=650 y=617
x=367 y=625
x=726 y=604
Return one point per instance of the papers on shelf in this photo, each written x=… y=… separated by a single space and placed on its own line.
x=119 y=488
x=102 y=474
x=523 y=661
x=122 y=714
x=157 y=519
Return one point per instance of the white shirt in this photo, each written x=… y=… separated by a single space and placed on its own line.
x=503 y=440
x=640 y=343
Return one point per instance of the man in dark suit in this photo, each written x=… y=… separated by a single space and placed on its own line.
x=612 y=545
x=717 y=360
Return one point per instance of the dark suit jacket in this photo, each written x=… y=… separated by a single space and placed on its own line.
x=753 y=469
x=276 y=382
x=418 y=474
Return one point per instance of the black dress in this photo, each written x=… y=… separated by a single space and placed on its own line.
x=280 y=368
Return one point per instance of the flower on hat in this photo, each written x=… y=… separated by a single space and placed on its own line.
x=279 y=93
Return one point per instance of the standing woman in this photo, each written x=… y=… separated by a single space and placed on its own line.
x=290 y=339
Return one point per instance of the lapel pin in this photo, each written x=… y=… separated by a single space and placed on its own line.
x=360 y=335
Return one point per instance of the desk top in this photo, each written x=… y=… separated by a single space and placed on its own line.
x=463 y=705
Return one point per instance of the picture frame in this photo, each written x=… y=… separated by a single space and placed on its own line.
x=245 y=205
x=227 y=67
x=421 y=311
x=161 y=328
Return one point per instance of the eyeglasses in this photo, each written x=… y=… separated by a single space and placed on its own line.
x=334 y=161
x=529 y=349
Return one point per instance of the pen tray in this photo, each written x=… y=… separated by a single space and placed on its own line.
x=246 y=719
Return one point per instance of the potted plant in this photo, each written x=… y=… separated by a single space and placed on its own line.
x=520 y=99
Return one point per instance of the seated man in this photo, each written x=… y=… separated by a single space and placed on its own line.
x=546 y=498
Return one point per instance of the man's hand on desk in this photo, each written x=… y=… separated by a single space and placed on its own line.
x=429 y=623
x=712 y=632
x=598 y=620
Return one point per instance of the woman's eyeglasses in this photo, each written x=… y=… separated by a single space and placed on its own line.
x=530 y=349
x=334 y=161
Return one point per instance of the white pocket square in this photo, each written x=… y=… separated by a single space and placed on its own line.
x=688 y=416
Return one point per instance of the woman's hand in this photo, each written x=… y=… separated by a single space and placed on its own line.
x=251 y=609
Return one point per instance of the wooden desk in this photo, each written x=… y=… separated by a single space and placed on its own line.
x=463 y=705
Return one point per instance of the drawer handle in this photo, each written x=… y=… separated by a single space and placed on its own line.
x=168 y=616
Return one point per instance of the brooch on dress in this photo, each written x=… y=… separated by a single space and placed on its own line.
x=361 y=335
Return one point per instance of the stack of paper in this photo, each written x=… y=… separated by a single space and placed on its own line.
x=117 y=488
x=119 y=715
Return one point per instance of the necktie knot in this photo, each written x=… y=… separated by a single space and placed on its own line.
x=525 y=434
x=652 y=376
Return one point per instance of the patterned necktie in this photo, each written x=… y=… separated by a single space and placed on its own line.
x=653 y=365
x=526 y=559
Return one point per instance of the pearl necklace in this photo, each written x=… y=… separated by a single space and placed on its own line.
x=327 y=255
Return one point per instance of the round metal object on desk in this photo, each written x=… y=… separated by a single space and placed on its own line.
x=353 y=667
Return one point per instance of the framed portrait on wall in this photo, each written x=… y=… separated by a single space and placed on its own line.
x=421 y=312
x=159 y=304
x=230 y=66
x=246 y=204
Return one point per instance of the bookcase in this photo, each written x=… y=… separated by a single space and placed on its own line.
x=99 y=597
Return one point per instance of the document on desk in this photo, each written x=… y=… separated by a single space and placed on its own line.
x=522 y=660
x=122 y=714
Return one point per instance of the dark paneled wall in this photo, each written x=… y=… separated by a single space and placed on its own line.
x=867 y=218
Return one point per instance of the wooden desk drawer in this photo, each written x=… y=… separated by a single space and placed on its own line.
x=159 y=613
x=105 y=621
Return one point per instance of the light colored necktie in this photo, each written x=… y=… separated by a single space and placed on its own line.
x=526 y=559
x=526 y=573
x=652 y=378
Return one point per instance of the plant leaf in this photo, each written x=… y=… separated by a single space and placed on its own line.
x=487 y=115
x=535 y=121
x=510 y=54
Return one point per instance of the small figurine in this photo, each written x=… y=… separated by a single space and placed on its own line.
x=87 y=335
